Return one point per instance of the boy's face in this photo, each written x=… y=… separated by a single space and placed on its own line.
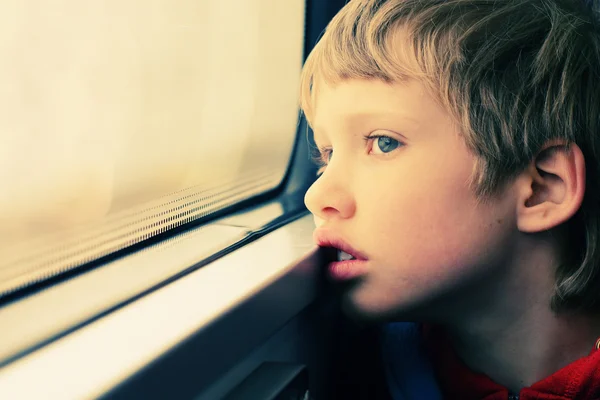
x=405 y=202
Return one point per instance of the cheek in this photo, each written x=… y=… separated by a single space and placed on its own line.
x=428 y=235
x=423 y=211
x=425 y=260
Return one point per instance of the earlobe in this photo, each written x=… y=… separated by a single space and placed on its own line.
x=551 y=190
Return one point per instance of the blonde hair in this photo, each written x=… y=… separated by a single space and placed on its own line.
x=514 y=74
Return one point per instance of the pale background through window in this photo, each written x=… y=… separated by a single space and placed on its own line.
x=108 y=104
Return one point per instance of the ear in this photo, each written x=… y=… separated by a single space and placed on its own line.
x=551 y=190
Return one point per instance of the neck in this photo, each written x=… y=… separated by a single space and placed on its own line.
x=514 y=337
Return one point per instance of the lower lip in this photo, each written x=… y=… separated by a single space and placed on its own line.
x=349 y=269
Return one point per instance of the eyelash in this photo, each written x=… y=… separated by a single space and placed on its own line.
x=321 y=155
x=372 y=138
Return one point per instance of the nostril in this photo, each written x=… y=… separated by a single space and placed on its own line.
x=329 y=210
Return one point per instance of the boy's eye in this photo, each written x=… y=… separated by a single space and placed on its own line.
x=324 y=160
x=322 y=156
x=383 y=144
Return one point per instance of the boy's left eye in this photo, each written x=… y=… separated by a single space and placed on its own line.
x=383 y=144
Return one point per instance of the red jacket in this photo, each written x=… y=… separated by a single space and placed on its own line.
x=579 y=380
x=404 y=362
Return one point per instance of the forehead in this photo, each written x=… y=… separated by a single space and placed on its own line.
x=355 y=101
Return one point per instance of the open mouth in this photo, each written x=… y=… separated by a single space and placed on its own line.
x=343 y=256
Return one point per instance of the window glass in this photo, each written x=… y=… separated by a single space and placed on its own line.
x=120 y=119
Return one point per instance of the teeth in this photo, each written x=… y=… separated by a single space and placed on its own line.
x=343 y=256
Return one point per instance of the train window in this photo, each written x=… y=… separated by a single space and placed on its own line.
x=121 y=120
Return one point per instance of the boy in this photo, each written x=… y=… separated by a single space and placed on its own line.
x=459 y=141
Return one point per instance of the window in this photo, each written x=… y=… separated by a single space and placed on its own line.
x=121 y=120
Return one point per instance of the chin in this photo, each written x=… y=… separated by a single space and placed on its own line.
x=363 y=304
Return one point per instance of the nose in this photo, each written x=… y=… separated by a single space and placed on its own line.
x=329 y=198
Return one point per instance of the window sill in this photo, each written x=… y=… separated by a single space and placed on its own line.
x=260 y=286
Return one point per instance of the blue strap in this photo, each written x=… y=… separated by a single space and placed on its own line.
x=408 y=371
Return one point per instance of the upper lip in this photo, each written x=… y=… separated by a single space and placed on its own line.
x=326 y=238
